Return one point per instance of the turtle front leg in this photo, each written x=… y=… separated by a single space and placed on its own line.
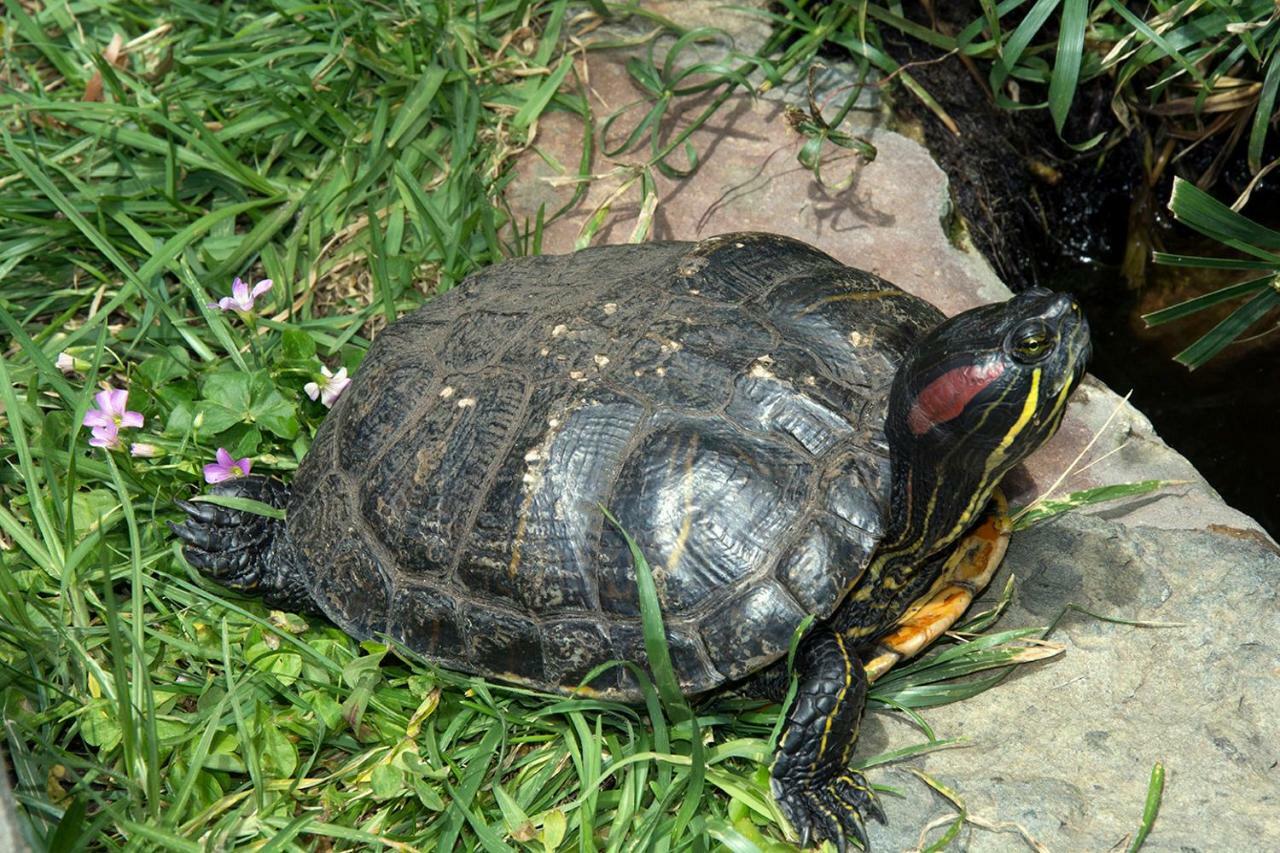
x=967 y=571
x=811 y=780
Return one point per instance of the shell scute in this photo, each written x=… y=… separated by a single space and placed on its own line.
x=689 y=659
x=828 y=556
x=419 y=499
x=541 y=518
x=503 y=642
x=751 y=629
x=706 y=504
x=426 y=619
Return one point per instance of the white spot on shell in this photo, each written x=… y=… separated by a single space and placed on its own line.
x=693 y=291
x=759 y=371
x=446 y=392
x=466 y=402
x=811 y=380
x=610 y=308
x=577 y=376
x=553 y=422
x=559 y=330
x=601 y=360
x=671 y=346
x=858 y=339
x=533 y=455
x=544 y=351
x=661 y=371
x=738 y=245
x=638 y=372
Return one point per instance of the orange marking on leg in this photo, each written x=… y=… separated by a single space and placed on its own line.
x=968 y=570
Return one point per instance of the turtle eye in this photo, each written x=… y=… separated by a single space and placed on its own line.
x=1031 y=342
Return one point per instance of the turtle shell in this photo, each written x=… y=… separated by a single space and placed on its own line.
x=725 y=400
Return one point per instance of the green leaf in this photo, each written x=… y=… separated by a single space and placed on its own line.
x=655 y=643
x=1043 y=509
x=232 y=397
x=542 y=95
x=554 y=825
x=416 y=106
x=387 y=781
x=1235 y=325
x=1151 y=809
x=296 y=344
x=99 y=727
x=1011 y=50
x=1263 y=112
x=1193 y=206
x=1199 y=303
x=271 y=409
x=1066 y=65
x=280 y=756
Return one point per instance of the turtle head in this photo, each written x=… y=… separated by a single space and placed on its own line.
x=973 y=398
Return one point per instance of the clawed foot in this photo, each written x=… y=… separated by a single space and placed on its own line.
x=227 y=545
x=836 y=812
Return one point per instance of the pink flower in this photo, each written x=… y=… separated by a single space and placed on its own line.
x=330 y=386
x=242 y=298
x=106 y=435
x=143 y=449
x=226 y=468
x=70 y=364
x=110 y=417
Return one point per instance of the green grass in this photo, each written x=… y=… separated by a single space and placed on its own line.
x=357 y=155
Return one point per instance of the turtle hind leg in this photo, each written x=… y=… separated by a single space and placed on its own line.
x=811 y=780
x=242 y=550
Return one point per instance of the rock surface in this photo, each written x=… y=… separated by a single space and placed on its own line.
x=1064 y=748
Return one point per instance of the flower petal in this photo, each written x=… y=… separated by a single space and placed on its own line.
x=98 y=418
x=131 y=419
x=106 y=436
x=226 y=303
x=224 y=457
x=244 y=465
x=103 y=400
x=119 y=401
x=215 y=473
x=239 y=290
x=311 y=389
x=261 y=287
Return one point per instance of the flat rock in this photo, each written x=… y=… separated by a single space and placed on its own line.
x=1062 y=749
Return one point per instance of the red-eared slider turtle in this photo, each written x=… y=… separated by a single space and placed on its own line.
x=783 y=435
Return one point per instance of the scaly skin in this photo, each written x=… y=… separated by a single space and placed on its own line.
x=820 y=796
x=244 y=551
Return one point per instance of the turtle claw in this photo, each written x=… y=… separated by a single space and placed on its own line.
x=836 y=812
x=228 y=545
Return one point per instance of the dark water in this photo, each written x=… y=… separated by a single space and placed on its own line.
x=1224 y=417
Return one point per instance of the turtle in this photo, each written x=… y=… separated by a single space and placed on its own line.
x=787 y=439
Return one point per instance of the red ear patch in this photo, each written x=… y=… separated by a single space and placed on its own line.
x=945 y=397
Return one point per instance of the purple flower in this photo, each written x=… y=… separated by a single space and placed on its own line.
x=330 y=386
x=143 y=449
x=226 y=468
x=106 y=435
x=110 y=417
x=242 y=297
